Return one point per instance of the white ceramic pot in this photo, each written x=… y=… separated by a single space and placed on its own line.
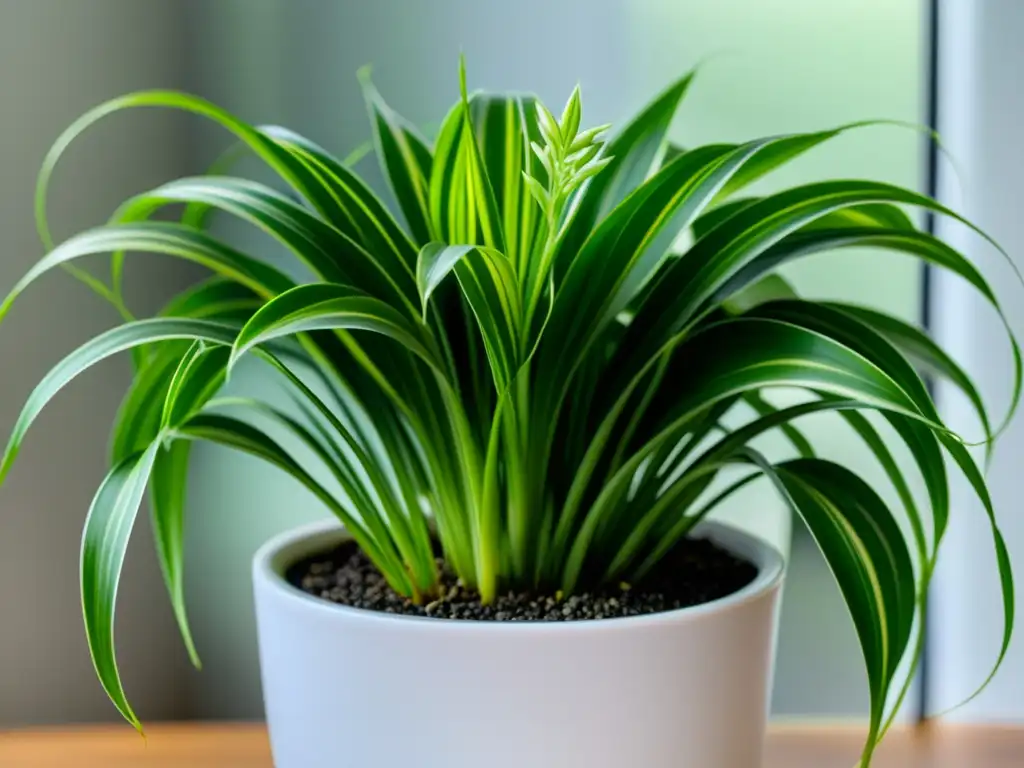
x=349 y=687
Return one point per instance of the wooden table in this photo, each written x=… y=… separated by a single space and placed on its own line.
x=245 y=746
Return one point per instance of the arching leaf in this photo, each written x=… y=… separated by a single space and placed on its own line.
x=329 y=306
x=406 y=161
x=104 y=543
x=489 y=284
x=105 y=345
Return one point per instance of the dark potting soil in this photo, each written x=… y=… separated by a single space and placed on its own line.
x=696 y=571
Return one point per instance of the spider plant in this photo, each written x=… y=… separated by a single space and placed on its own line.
x=521 y=362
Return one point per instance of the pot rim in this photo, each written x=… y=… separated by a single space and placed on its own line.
x=280 y=552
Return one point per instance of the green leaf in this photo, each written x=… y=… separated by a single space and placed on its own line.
x=401 y=394
x=536 y=189
x=413 y=412
x=833 y=232
x=729 y=358
x=328 y=306
x=747 y=353
x=239 y=435
x=715 y=216
x=309 y=237
x=739 y=355
x=862 y=339
x=463 y=206
x=214 y=298
x=279 y=159
x=569 y=124
x=405 y=160
x=776 y=153
x=199 y=376
x=922 y=443
x=636 y=151
x=171 y=239
x=138 y=418
x=685 y=523
x=733 y=448
x=598 y=285
x=672 y=151
x=104 y=542
x=105 y=345
x=678 y=496
x=505 y=127
x=195 y=352
x=447 y=192
x=925 y=354
x=591 y=170
x=355 y=461
x=1005 y=569
x=293 y=171
x=197 y=215
x=874 y=441
x=167 y=499
x=857 y=337
x=795 y=437
x=366 y=220
x=867 y=554
x=548 y=126
x=332 y=255
x=624 y=250
x=139 y=423
x=769 y=288
x=490 y=286
x=925 y=447
x=480 y=194
x=383 y=545
x=706 y=270
x=879 y=215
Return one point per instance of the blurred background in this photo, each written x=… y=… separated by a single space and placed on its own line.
x=770 y=66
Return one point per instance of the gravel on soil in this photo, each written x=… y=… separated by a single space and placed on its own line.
x=696 y=571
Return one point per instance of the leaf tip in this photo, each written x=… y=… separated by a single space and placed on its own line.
x=463 y=91
x=571 y=115
x=5 y=305
x=7 y=461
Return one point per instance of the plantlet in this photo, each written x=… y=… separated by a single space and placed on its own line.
x=520 y=362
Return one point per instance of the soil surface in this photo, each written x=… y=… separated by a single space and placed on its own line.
x=696 y=571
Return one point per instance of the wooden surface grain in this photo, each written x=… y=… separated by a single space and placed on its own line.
x=246 y=746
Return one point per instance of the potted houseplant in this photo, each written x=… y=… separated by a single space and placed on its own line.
x=514 y=393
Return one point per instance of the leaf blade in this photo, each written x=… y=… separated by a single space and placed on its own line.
x=105 y=345
x=330 y=306
x=167 y=501
x=104 y=543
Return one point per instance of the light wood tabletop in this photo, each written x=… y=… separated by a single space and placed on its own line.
x=246 y=746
